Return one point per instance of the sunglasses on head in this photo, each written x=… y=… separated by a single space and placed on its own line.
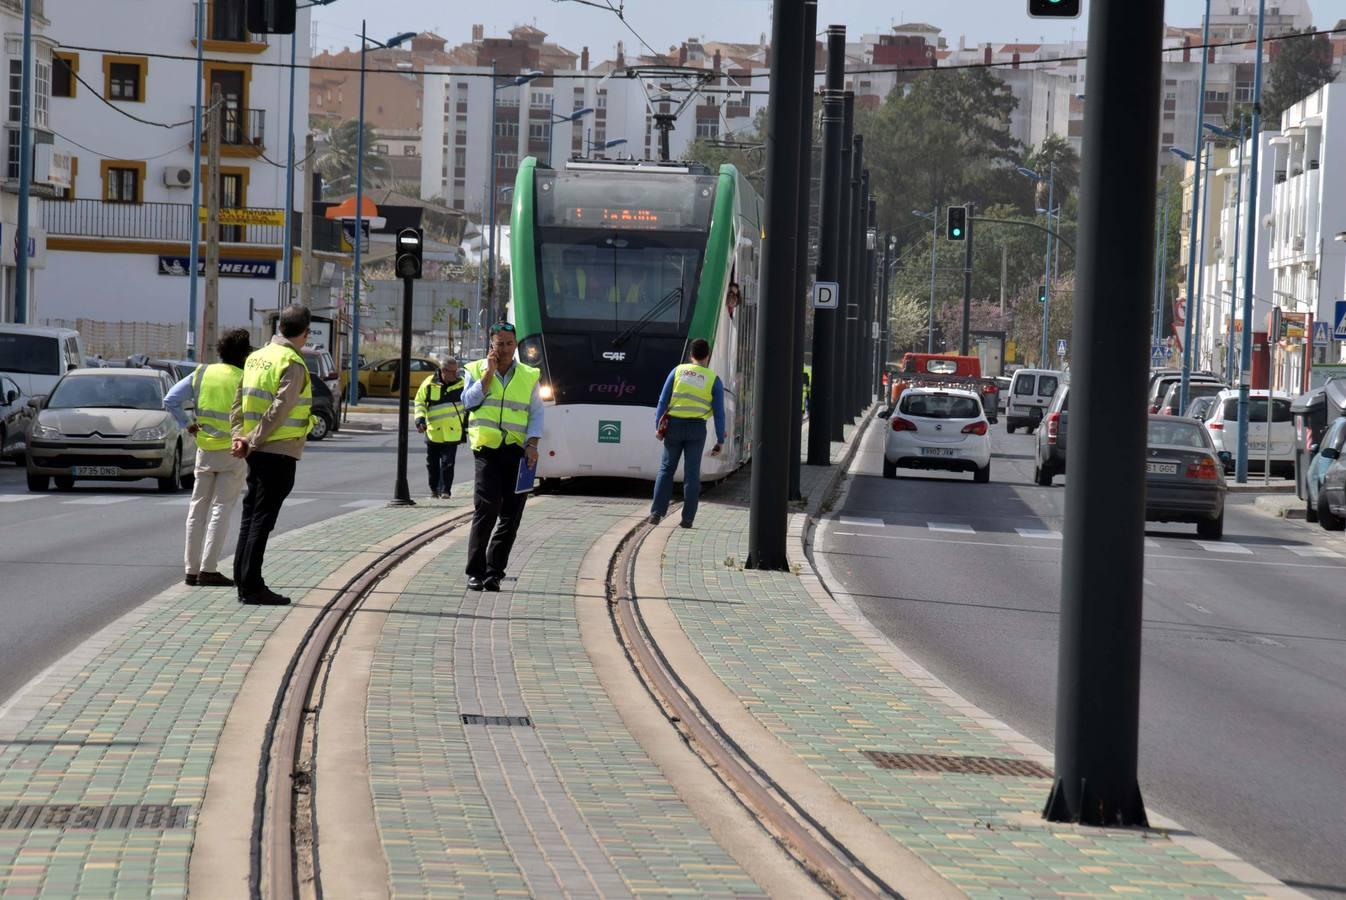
x=502 y=326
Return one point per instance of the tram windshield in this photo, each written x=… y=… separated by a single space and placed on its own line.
x=636 y=283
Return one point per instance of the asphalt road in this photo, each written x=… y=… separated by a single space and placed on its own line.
x=71 y=562
x=1243 y=736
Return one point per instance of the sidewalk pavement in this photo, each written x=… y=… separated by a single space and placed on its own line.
x=115 y=765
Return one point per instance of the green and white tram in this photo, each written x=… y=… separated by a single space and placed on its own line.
x=615 y=268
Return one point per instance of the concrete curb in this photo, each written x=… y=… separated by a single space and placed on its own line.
x=1281 y=506
x=1256 y=487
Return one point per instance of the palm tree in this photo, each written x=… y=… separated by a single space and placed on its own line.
x=336 y=161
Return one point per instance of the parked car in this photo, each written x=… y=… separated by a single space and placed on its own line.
x=1223 y=426
x=1051 y=455
x=1169 y=405
x=325 y=416
x=36 y=357
x=109 y=424
x=1200 y=407
x=322 y=368
x=1184 y=476
x=1159 y=386
x=1030 y=392
x=1313 y=413
x=938 y=429
x=379 y=379
x=1325 y=480
x=15 y=418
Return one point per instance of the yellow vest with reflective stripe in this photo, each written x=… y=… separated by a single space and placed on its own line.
x=261 y=381
x=214 y=388
x=502 y=417
x=692 y=392
x=443 y=418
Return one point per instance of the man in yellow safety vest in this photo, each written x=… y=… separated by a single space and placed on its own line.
x=504 y=426
x=219 y=475
x=439 y=416
x=271 y=418
x=691 y=395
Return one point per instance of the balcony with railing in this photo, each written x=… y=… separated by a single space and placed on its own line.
x=242 y=131
x=16 y=7
x=169 y=222
x=227 y=27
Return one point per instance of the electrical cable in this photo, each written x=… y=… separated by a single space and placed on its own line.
x=108 y=103
x=118 y=156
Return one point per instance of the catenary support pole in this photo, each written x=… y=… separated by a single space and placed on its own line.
x=771 y=421
x=354 y=364
x=839 y=359
x=1250 y=254
x=21 y=257
x=401 y=490
x=194 y=254
x=885 y=327
x=1193 y=260
x=857 y=280
x=806 y=71
x=1234 y=263
x=1163 y=273
x=823 y=393
x=1046 y=268
x=965 y=337
x=1199 y=332
x=934 y=258
x=210 y=321
x=306 y=273
x=287 y=250
x=1098 y=679
x=869 y=333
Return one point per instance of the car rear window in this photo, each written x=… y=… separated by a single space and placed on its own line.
x=941 y=366
x=940 y=406
x=1179 y=433
x=1047 y=385
x=1024 y=384
x=1257 y=410
x=29 y=354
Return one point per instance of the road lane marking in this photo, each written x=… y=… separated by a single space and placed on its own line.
x=1044 y=534
x=364 y=504
x=1312 y=551
x=1152 y=544
x=1222 y=547
x=299 y=501
x=16 y=498
x=951 y=526
x=862 y=522
x=96 y=501
x=1201 y=609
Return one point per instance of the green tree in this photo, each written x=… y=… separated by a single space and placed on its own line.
x=907 y=312
x=337 y=160
x=1055 y=150
x=1302 y=65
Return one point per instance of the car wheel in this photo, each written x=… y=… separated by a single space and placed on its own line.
x=64 y=482
x=321 y=428
x=360 y=394
x=1211 y=529
x=1042 y=476
x=982 y=475
x=889 y=469
x=173 y=483
x=38 y=483
x=1310 y=511
x=1326 y=518
x=1009 y=427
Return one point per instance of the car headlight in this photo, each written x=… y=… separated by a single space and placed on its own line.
x=157 y=433
x=45 y=432
x=545 y=392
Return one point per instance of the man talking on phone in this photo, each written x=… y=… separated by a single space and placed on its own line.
x=504 y=427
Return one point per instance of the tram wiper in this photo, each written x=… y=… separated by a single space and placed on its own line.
x=638 y=326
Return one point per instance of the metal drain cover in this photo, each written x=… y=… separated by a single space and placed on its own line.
x=73 y=817
x=516 y=721
x=958 y=765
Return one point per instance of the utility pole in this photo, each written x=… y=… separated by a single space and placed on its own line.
x=25 y=168
x=771 y=439
x=934 y=257
x=800 y=294
x=964 y=341
x=1249 y=254
x=1046 y=266
x=211 y=325
x=1185 y=385
x=194 y=256
x=843 y=269
x=885 y=326
x=1004 y=275
x=856 y=290
x=490 y=265
x=1098 y=677
x=306 y=273
x=868 y=324
x=823 y=395
x=1234 y=263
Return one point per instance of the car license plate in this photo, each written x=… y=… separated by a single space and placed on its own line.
x=1257 y=445
x=94 y=471
x=1161 y=468
x=937 y=451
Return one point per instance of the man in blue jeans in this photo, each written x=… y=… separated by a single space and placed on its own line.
x=692 y=394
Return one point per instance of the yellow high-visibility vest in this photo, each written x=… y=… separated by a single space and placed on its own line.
x=443 y=418
x=214 y=388
x=692 y=392
x=502 y=417
x=261 y=382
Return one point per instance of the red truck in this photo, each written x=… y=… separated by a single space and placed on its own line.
x=936 y=370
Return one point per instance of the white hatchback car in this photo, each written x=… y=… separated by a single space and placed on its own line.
x=1222 y=423
x=934 y=428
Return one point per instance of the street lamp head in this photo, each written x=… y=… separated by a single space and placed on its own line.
x=1181 y=154
x=579 y=114
x=1028 y=173
x=398 y=39
x=617 y=143
x=526 y=77
x=1217 y=130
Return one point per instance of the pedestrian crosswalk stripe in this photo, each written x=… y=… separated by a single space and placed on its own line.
x=1220 y=547
x=1045 y=534
x=97 y=501
x=176 y=501
x=1151 y=544
x=364 y=504
x=299 y=501
x=1312 y=551
x=15 y=498
x=858 y=520
x=951 y=526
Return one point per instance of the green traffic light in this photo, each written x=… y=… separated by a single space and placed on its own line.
x=958 y=232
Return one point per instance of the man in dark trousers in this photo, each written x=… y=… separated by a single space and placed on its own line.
x=270 y=422
x=439 y=416
x=692 y=395
x=504 y=426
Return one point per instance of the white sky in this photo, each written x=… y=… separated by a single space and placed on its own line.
x=664 y=23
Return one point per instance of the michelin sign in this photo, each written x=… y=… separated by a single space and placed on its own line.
x=229 y=268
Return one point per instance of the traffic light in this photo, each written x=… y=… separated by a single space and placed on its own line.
x=957 y=224
x=1054 y=9
x=1042 y=293
x=271 y=16
x=408 y=263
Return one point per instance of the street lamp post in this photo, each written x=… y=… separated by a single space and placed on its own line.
x=1246 y=345
x=1197 y=328
x=1234 y=263
x=561 y=120
x=1047 y=263
x=1186 y=382
x=490 y=265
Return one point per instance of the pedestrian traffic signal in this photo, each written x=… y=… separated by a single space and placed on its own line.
x=1042 y=293
x=957 y=224
x=408 y=264
x=271 y=16
x=1054 y=9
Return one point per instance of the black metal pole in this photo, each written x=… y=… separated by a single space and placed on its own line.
x=806 y=72
x=401 y=492
x=1098 y=679
x=857 y=279
x=769 y=508
x=843 y=270
x=884 y=334
x=871 y=322
x=823 y=393
x=964 y=343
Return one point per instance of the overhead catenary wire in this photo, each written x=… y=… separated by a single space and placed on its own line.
x=119 y=156
x=110 y=105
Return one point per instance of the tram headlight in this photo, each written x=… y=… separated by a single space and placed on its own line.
x=546 y=393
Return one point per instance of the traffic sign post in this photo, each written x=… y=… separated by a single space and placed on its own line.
x=1061 y=348
x=1322 y=334
x=826 y=294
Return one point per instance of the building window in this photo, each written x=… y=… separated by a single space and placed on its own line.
x=506 y=129
x=1167 y=139
x=69 y=193
x=507 y=160
x=708 y=129
x=123 y=181
x=537 y=131
x=381 y=149
x=41 y=93
x=539 y=99
x=124 y=78
x=15 y=88
x=63 y=69
x=602 y=102
x=460 y=157
x=408 y=150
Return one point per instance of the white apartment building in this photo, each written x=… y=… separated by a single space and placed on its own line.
x=1043 y=109
x=119 y=238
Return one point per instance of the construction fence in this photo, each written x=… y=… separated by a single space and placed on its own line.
x=114 y=341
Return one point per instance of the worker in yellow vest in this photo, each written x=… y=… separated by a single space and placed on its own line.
x=692 y=394
x=218 y=476
x=439 y=416
x=504 y=427
x=271 y=418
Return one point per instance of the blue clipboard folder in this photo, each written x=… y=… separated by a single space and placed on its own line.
x=526 y=479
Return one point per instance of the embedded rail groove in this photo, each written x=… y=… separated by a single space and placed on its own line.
x=818 y=852
x=276 y=836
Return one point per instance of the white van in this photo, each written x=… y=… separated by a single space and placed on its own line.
x=1030 y=389
x=36 y=357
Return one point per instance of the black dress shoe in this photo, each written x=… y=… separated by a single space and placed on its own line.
x=475 y=584
x=191 y=580
x=491 y=584
x=264 y=597
x=684 y=524
x=213 y=579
